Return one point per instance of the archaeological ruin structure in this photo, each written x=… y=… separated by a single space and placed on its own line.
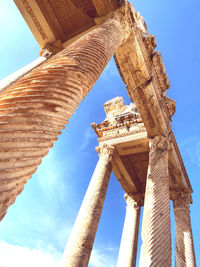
x=136 y=142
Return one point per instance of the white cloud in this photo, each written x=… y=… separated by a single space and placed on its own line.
x=192 y=147
x=19 y=256
x=88 y=135
x=13 y=255
x=100 y=259
x=50 y=177
x=110 y=71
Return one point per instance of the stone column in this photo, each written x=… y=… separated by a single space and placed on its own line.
x=128 y=247
x=80 y=243
x=37 y=106
x=156 y=229
x=184 y=247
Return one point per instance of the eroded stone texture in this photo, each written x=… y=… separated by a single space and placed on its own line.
x=128 y=247
x=184 y=247
x=156 y=235
x=37 y=106
x=80 y=243
x=143 y=71
x=120 y=120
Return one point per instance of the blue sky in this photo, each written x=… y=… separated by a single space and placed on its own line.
x=35 y=230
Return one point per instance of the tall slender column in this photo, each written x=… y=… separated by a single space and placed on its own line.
x=184 y=247
x=37 y=106
x=156 y=234
x=80 y=243
x=128 y=247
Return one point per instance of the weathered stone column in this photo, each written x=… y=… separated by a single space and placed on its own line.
x=37 y=106
x=128 y=247
x=156 y=229
x=184 y=247
x=80 y=243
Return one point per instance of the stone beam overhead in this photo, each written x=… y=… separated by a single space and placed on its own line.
x=62 y=20
x=36 y=21
x=105 y=6
x=142 y=70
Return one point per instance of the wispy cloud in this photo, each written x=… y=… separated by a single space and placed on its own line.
x=88 y=135
x=52 y=175
x=191 y=146
x=101 y=259
x=18 y=256
x=110 y=71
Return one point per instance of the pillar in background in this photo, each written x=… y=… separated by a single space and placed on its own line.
x=128 y=247
x=184 y=247
x=156 y=228
x=80 y=243
x=36 y=107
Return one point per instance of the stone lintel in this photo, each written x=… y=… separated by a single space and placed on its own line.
x=142 y=70
x=134 y=199
x=178 y=166
x=36 y=21
x=49 y=21
x=103 y=7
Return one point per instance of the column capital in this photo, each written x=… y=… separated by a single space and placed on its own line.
x=105 y=150
x=181 y=198
x=51 y=48
x=121 y=15
x=134 y=200
x=159 y=144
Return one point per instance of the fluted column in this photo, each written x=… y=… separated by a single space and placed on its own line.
x=156 y=233
x=35 y=108
x=80 y=243
x=128 y=247
x=184 y=247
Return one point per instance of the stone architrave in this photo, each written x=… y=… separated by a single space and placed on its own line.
x=128 y=247
x=156 y=227
x=184 y=247
x=36 y=107
x=80 y=243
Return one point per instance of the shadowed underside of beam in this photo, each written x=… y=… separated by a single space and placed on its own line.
x=35 y=109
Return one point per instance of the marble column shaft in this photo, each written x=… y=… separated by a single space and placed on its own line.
x=36 y=107
x=80 y=243
x=156 y=228
x=128 y=247
x=184 y=247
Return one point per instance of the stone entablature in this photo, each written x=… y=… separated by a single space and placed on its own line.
x=143 y=71
x=121 y=120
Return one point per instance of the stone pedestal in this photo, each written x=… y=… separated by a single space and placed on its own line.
x=184 y=248
x=128 y=247
x=80 y=243
x=156 y=234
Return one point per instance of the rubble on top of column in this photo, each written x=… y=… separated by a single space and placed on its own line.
x=120 y=120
